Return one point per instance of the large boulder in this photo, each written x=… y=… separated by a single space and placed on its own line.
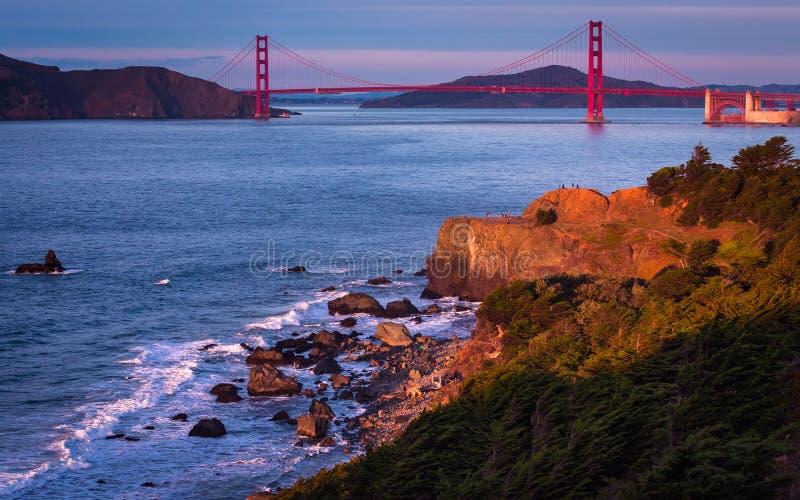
x=393 y=334
x=226 y=393
x=208 y=427
x=266 y=380
x=320 y=409
x=270 y=356
x=327 y=365
x=311 y=426
x=51 y=265
x=400 y=309
x=354 y=303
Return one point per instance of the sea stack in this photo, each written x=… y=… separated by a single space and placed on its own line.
x=51 y=265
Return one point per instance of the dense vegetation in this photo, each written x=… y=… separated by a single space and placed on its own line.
x=686 y=386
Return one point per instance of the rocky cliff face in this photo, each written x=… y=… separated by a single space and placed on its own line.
x=31 y=91
x=622 y=234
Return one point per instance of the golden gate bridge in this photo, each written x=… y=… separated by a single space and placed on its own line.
x=264 y=67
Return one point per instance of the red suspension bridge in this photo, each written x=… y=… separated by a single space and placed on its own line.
x=612 y=65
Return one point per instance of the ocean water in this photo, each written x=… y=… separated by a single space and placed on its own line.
x=221 y=209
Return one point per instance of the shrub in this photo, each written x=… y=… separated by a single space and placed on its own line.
x=545 y=217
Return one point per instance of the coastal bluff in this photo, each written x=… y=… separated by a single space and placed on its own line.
x=622 y=234
x=31 y=91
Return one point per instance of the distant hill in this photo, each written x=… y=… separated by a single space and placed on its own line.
x=568 y=77
x=30 y=91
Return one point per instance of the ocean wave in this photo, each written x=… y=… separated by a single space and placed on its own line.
x=294 y=315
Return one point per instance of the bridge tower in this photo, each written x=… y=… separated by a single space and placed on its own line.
x=262 y=77
x=594 y=90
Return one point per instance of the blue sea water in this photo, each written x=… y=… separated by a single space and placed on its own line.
x=221 y=209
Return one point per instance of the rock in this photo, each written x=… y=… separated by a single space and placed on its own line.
x=354 y=303
x=348 y=322
x=293 y=344
x=266 y=380
x=324 y=338
x=207 y=347
x=208 y=427
x=308 y=393
x=226 y=393
x=381 y=280
x=433 y=309
x=51 y=265
x=246 y=347
x=397 y=271
x=297 y=269
x=271 y=356
x=327 y=365
x=149 y=427
x=393 y=334
x=131 y=438
x=311 y=426
x=281 y=415
x=401 y=419
x=148 y=484
x=320 y=409
x=365 y=395
x=462 y=308
x=421 y=272
x=115 y=436
x=238 y=380
x=414 y=374
x=338 y=381
x=319 y=351
x=416 y=320
x=327 y=442
x=302 y=362
x=182 y=417
x=346 y=394
x=400 y=309
x=328 y=289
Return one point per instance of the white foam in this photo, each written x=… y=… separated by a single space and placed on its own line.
x=57 y=273
x=164 y=281
x=294 y=315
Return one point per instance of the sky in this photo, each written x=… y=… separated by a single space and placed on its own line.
x=421 y=41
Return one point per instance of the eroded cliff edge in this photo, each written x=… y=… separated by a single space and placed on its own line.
x=622 y=234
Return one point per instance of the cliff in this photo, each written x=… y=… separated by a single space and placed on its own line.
x=623 y=234
x=33 y=92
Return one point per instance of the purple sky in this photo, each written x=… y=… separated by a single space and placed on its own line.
x=419 y=41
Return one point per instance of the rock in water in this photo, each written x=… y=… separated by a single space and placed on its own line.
x=180 y=417
x=400 y=309
x=208 y=427
x=297 y=269
x=382 y=280
x=421 y=272
x=266 y=380
x=327 y=442
x=327 y=365
x=393 y=334
x=226 y=393
x=433 y=309
x=270 y=356
x=51 y=265
x=348 y=322
x=280 y=416
x=311 y=426
x=355 y=303
x=338 y=381
x=320 y=409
